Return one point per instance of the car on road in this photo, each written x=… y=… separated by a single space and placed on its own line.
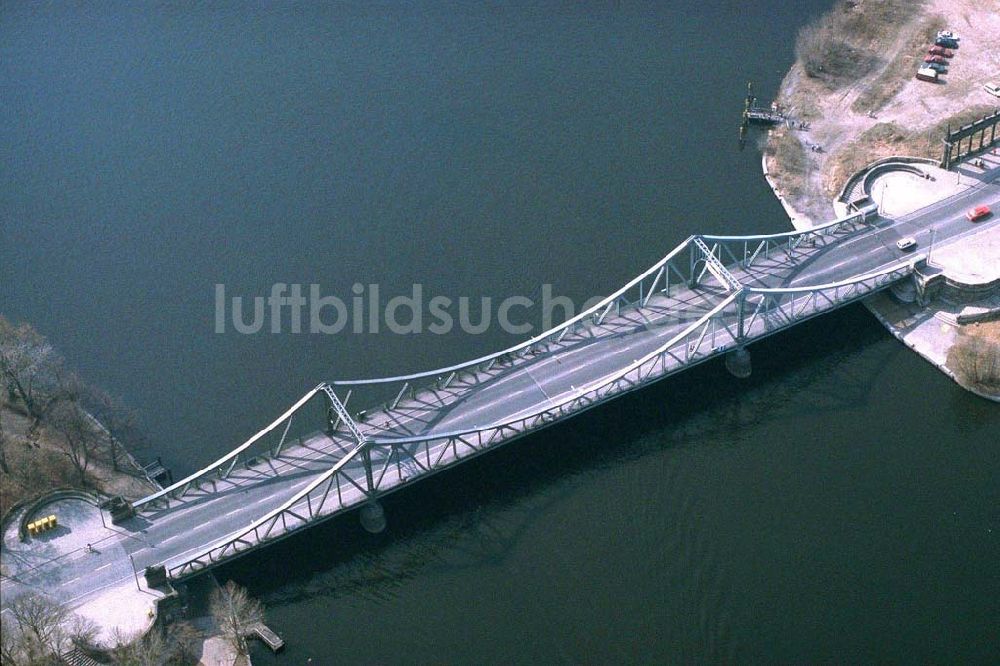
x=941 y=51
x=978 y=213
x=907 y=243
x=992 y=88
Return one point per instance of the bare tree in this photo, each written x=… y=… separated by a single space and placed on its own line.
x=156 y=648
x=135 y=650
x=40 y=617
x=10 y=642
x=120 y=423
x=80 y=438
x=3 y=444
x=38 y=632
x=235 y=613
x=29 y=366
x=185 y=643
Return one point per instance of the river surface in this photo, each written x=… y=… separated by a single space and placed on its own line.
x=843 y=504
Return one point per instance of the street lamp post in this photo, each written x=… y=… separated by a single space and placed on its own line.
x=135 y=573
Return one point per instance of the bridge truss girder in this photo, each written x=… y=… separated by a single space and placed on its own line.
x=737 y=314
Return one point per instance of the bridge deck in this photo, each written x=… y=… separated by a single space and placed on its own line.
x=528 y=390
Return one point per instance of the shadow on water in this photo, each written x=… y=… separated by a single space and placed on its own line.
x=475 y=514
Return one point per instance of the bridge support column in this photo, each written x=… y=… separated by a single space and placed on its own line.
x=372 y=517
x=923 y=299
x=738 y=363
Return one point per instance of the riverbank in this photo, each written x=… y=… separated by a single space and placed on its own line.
x=56 y=430
x=876 y=108
x=873 y=108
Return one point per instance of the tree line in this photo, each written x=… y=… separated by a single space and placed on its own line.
x=37 y=631
x=86 y=424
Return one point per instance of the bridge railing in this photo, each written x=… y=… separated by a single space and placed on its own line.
x=654 y=279
x=604 y=306
x=711 y=334
x=684 y=265
x=220 y=469
x=346 y=484
x=747 y=250
x=768 y=310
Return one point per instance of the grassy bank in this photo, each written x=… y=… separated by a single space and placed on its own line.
x=890 y=138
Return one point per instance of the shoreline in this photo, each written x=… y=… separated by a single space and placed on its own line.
x=803 y=180
x=799 y=221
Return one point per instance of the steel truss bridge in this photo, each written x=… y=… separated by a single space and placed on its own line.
x=709 y=297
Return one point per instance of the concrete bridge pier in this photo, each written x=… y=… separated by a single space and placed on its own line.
x=372 y=517
x=738 y=362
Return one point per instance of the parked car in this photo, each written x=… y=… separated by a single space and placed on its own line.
x=946 y=42
x=948 y=34
x=941 y=51
x=938 y=67
x=941 y=60
x=907 y=243
x=978 y=213
x=927 y=74
x=992 y=89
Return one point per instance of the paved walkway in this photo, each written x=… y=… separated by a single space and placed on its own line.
x=84 y=542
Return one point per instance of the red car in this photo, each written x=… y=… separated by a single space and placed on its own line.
x=978 y=213
x=940 y=51
x=941 y=60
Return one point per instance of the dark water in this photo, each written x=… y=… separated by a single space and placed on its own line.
x=841 y=505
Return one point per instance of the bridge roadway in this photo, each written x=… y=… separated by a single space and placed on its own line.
x=174 y=532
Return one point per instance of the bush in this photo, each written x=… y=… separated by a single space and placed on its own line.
x=790 y=164
x=843 y=44
x=975 y=358
x=826 y=55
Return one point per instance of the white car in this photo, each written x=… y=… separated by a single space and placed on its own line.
x=907 y=243
x=992 y=89
x=948 y=34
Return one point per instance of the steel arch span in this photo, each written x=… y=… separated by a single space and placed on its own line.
x=708 y=297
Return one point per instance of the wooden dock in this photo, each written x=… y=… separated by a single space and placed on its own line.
x=753 y=114
x=265 y=635
x=765 y=116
